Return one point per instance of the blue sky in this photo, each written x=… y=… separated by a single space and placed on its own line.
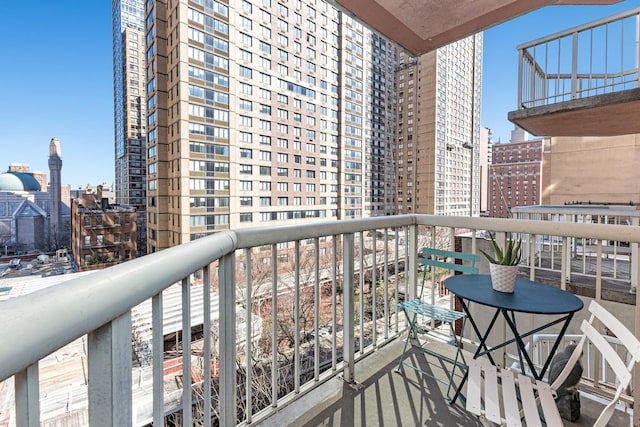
x=57 y=76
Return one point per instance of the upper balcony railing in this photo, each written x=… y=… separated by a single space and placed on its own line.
x=249 y=319
x=593 y=59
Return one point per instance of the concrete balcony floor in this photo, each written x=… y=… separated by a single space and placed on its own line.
x=384 y=397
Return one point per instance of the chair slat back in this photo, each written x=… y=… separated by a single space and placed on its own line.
x=439 y=258
x=608 y=320
x=622 y=370
x=447 y=259
x=608 y=352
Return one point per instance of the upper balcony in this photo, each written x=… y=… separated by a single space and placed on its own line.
x=279 y=325
x=584 y=81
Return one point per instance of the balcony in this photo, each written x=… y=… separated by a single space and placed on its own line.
x=115 y=347
x=584 y=81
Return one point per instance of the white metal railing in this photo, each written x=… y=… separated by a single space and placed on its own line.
x=320 y=290
x=592 y=59
x=618 y=258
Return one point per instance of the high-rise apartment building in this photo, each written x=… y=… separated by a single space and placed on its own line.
x=438 y=130
x=264 y=113
x=130 y=108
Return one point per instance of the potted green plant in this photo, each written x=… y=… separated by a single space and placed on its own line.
x=504 y=264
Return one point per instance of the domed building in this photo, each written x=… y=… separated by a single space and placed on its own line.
x=18 y=181
x=26 y=210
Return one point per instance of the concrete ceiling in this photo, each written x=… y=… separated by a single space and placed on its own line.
x=424 y=25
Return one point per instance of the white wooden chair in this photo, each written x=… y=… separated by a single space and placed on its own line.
x=499 y=387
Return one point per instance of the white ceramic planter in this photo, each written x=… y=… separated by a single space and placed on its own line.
x=503 y=277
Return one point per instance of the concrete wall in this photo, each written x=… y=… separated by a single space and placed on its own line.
x=596 y=169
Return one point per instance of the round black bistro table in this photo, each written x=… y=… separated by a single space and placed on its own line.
x=528 y=297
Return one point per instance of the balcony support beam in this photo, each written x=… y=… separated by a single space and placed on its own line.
x=109 y=366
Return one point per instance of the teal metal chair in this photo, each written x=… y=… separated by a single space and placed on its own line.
x=436 y=314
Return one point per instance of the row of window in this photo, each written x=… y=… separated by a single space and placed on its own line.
x=100 y=240
x=98 y=220
x=96 y=258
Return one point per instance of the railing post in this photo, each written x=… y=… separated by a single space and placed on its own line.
x=634 y=265
x=500 y=326
x=637 y=53
x=410 y=274
x=520 y=66
x=636 y=371
x=109 y=366
x=227 y=341
x=574 y=66
x=158 y=357
x=349 y=310
x=27 y=397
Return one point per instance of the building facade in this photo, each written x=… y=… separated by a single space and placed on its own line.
x=579 y=170
x=515 y=176
x=130 y=107
x=101 y=233
x=438 y=130
x=253 y=121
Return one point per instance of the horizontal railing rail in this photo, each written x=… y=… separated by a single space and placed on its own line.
x=258 y=274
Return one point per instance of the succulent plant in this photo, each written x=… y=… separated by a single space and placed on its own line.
x=511 y=255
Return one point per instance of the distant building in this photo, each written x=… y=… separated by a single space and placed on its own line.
x=515 y=176
x=31 y=218
x=107 y=192
x=101 y=233
x=484 y=159
x=130 y=106
x=438 y=130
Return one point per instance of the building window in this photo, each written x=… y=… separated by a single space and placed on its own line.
x=87 y=240
x=100 y=239
x=87 y=221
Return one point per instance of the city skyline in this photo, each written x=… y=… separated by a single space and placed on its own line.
x=61 y=84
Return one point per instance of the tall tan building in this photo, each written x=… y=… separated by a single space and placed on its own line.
x=579 y=169
x=264 y=113
x=438 y=130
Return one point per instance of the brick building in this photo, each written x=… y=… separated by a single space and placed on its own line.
x=101 y=233
x=515 y=176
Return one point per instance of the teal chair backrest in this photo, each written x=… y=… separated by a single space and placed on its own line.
x=447 y=259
